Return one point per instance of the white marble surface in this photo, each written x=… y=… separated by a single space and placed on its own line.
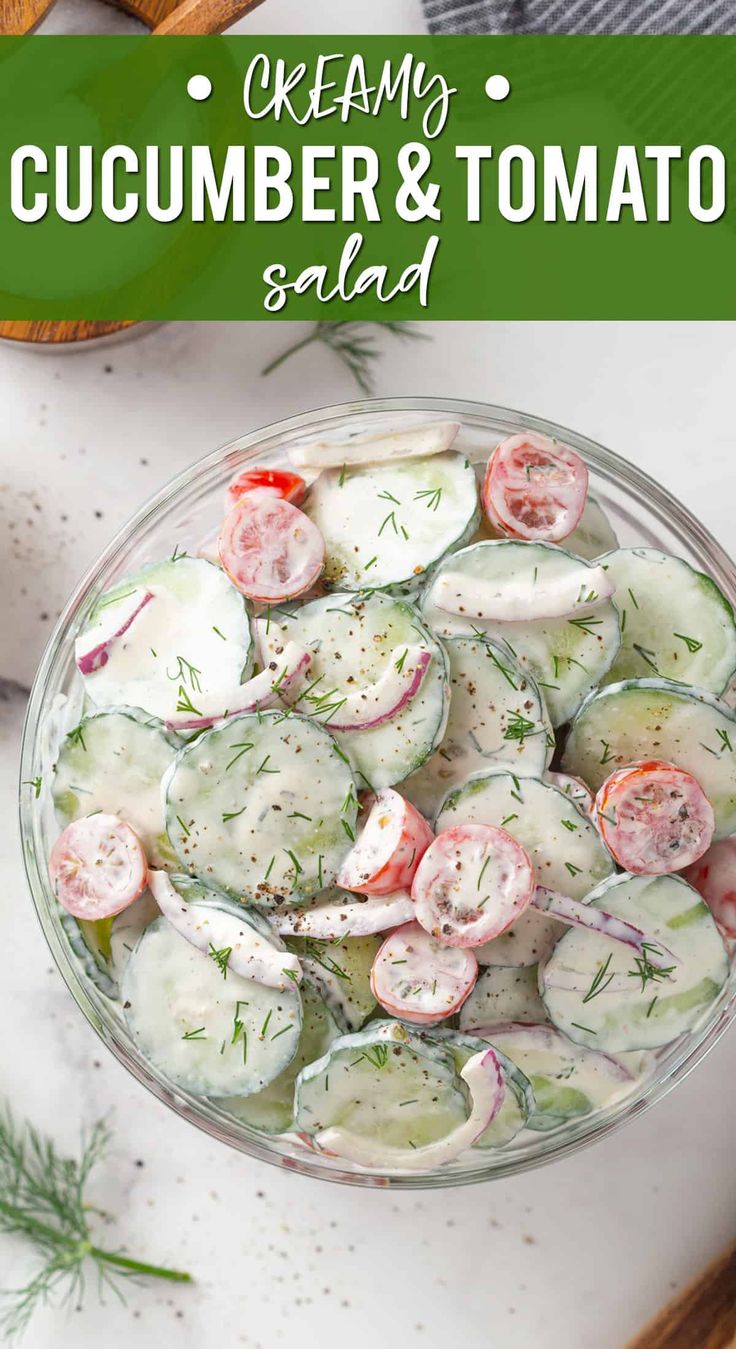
x=570 y=1257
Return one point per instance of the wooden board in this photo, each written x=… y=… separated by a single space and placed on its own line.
x=48 y=333
x=22 y=16
x=185 y=17
x=703 y=1316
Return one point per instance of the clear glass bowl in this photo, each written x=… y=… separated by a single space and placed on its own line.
x=186 y=513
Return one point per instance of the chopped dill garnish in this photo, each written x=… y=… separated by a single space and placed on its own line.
x=691 y=643
x=221 y=958
x=600 y=981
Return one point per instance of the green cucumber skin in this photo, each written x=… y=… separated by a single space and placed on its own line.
x=376 y=625
x=496 y=695
x=519 y=1104
x=402 y=479
x=650 y=1013
x=76 y=767
x=94 y=970
x=554 y=650
x=177 y=577
x=271 y=1111
x=687 y=602
x=163 y=971
x=593 y=753
x=411 y=1095
x=231 y=848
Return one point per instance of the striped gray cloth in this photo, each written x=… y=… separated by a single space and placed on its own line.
x=581 y=16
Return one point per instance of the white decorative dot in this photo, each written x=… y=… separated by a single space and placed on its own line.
x=199 y=87
x=497 y=88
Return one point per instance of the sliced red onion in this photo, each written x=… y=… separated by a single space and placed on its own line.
x=506 y=600
x=360 y=918
x=607 y=924
x=282 y=675
x=209 y=928
x=380 y=702
x=410 y=443
x=484 y=1077
x=117 y=616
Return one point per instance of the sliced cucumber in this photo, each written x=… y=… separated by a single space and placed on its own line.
x=675 y=622
x=602 y=997
x=272 y=1109
x=263 y=807
x=497 y=719
x=188 y=650
x=209 y=1033
x=386 y=525
x=518 y=1103
x=568 y=1081
x=341 y=972
x=352 y=639
x=563 y=844
x=503 y=993
x=567 y=656
x=126 y=931
x=658 y=719
x=114 y=761
x=90 y=943
x=385 y=1083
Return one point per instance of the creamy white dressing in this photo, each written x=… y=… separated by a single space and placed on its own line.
x=568 y=656
x=386 y=525
x=185 y=653
x=497 y=720
x=510 y=600
x=408 y=443
x=182 y=1010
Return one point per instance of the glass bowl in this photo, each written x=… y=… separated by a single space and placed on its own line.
x=185 y=513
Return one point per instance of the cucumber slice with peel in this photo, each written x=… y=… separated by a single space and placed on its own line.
x=604 y=997
x=208 y=1030
x=568 y=656
x=185 y=653
x=675 y=622
x=568 y=1081
x=565 y=848
x=352 y=640
x=518 y=1103
x=642 y=719
x=113 y=762
x=272 y=1109
x=264 y=807
x=341 y=974
x=243 y=947
x=498 y=719
x=385 y=1083
x=88 y=942
x=385 y=525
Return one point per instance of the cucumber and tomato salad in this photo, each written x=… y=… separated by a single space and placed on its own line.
x=320 y=843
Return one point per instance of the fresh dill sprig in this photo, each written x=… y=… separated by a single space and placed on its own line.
x=42 y=1198
x=353 y=341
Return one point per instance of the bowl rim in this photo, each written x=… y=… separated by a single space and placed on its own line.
x=608 y=465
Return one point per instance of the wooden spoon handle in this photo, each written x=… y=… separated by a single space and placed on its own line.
x=703 y=1316
x=204 y=16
